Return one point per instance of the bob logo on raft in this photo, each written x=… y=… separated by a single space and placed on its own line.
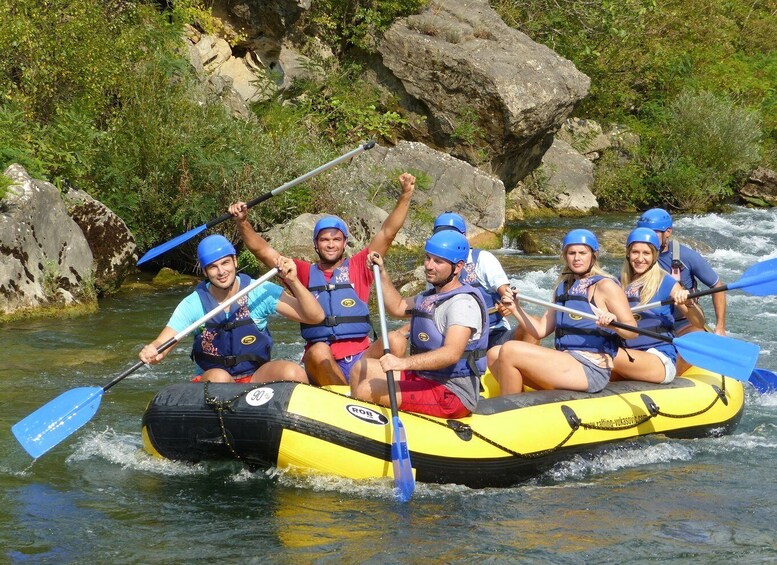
x=367 y=415
x=248 y=340
x=348 y=303
x=259 y=396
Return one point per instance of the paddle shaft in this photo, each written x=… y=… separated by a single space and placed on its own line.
x=697 y=294
x=615 y=323
x=392 y=390
x=275 y=192
x=194 y=325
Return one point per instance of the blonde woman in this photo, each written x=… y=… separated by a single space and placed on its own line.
x=646 y=358
x=583 y=357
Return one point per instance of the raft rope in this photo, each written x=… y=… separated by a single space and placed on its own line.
x=220 y=406
x=575 y=423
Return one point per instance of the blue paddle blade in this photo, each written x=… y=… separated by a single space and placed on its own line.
x=404 y=481
x=727 y=356
x=759 y=280
x=764 y=381
x=56 y=420
x=155 y=252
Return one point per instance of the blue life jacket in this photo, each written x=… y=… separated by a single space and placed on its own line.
x=659 y=320
x=231 y=342
x=469 y=276
x=424 y=335
x=346 y=315
x=576 y=333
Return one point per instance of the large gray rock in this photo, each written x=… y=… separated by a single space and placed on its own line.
x=112 y=244
x=443 y=183
x=44 y=256
x=487 y=92
x=760 y=188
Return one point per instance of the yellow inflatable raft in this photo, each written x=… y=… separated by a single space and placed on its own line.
x=508 y=440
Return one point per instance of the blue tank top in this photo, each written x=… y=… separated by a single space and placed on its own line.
x=576 y=333
x=346 y=315
x=230 y=342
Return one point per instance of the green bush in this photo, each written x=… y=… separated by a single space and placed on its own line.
x=706 y=143
x=345 y=23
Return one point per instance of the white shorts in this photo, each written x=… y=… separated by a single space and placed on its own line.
x=670 y=371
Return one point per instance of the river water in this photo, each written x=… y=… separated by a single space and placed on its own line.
x=99 y=497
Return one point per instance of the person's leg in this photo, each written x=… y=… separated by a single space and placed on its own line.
x=522 y=335
x=279 y=370
x=217 y=376
x=681 y=364
x=322 y=367
x=522 y=363
x=644 y=367
x=397 y=344
x=492 y=356
x=368 y=382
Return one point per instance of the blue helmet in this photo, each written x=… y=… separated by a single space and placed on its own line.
x=643 y=235
x=656 y=219
x=328 y=222
x=213 y=248
x=450 y=221
x=580 y=237
x=448 y=244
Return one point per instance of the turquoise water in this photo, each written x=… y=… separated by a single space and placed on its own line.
x=99 y=497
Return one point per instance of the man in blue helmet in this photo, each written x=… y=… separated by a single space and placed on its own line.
x=686 y=265
x=484 y=272
x=235 y=346
x=448 y=338
x=341 y=285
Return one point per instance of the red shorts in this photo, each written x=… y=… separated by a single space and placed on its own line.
x=243 y=379
x=428 y=397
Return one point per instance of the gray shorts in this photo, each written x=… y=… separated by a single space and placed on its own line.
x=597 y=376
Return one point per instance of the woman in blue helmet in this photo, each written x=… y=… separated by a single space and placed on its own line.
x=688 y=267
x=448 y=338
x=584 y=353
x=647 y=358
x=236 y=346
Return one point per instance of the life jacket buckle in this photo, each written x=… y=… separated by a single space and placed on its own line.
x=230 y=360
x=330 y=321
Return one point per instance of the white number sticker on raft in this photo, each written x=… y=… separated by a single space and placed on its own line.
x=259 y=396
x=367 y=415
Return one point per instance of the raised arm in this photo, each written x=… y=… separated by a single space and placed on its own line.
x=254 y=242
x=394 y=221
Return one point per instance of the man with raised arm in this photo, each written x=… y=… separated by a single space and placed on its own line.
x=340 y=284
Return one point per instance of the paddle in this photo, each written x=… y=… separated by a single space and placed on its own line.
x=725 y=355
x=758 y=280
x=183 y=238
x=763 y=381
x=404 y=482
x=56 y=420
